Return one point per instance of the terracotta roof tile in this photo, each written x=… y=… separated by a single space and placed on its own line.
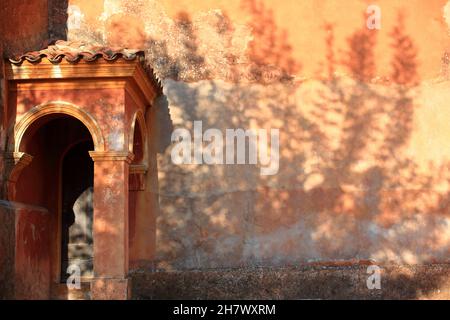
x=74 y=51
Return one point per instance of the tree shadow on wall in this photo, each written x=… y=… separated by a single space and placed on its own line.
x=345 y=190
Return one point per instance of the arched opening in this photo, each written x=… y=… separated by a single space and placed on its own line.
x=60 y=179
x=138 y=144
x=135 y=188
x=77 y=210
x=138 y=138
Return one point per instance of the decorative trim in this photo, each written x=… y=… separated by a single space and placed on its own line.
x=139 y=118
x=16 y=162
x=58 y=107
x=80 y=84
x=67 y=70
x=138 y=169
x=111 y=156
x=133 y=70
x=19 y=158
x=136 y=181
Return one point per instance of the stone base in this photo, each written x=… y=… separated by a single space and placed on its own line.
x=60 y=291
x=303 y=282
x=110 y=289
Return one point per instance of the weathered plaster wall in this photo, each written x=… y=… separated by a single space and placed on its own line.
x=140 y=21
x=7 y=252
x=301 y=282
x=363 y=118
x=32 y=264
x=23 y=26
x=25 y=262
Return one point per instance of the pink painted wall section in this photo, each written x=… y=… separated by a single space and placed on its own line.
x=106 y=106
x=27 y=261
x=32 y=253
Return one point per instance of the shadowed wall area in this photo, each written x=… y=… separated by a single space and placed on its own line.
x=364 y=152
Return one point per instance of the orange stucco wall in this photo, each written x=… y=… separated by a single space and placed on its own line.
x=304 y=24
x=425 y=21
x=26 y=259
x=364 y=150
x=24 y=25
x=364 y=164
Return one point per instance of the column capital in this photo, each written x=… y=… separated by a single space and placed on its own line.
x=138 y=168
x=137 y=177
x=15 y=163
x=111 y=156
x=19 y=158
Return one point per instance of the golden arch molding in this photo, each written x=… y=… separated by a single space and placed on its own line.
x=55 y=107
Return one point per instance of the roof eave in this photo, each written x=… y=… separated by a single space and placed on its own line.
x=45 y=70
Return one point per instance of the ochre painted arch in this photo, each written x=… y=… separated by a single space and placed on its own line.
x=58 y=107
x=139 y=118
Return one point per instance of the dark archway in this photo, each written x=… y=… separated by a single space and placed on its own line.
x=51 y=140
x=77 y=210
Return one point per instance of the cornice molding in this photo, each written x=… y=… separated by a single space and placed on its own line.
x=68 y=84
x=67 y=70
x=111 y=156
x=138 y=169
x=45 y=74
x=21 y=159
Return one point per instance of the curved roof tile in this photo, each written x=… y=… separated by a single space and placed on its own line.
x=74 y=51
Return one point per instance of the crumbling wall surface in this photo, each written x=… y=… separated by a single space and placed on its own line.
x=24 y=26
x=25 y=261
x=7 y=244
x=305 y=282
x=363 y=118
x=32 y=261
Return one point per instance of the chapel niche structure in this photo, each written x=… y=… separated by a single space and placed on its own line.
x=77 y=170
